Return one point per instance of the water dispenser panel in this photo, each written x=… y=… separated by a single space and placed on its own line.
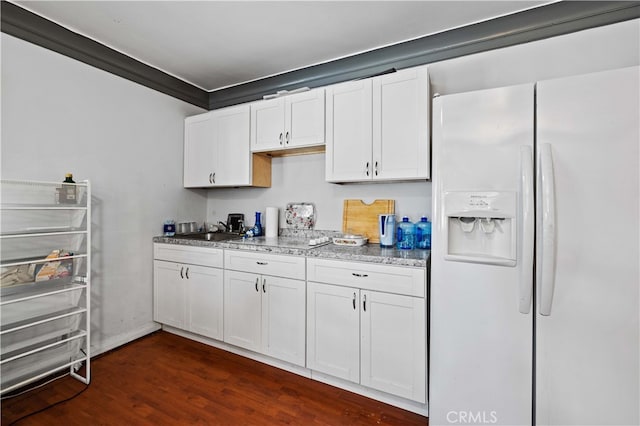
x=481 y=227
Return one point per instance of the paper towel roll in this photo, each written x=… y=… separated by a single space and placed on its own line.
x=272 y=222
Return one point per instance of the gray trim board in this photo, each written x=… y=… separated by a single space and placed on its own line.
x=30 y=27
x=534 y=24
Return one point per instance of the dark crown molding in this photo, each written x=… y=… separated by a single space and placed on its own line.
x=530 y=25
x=535 y=24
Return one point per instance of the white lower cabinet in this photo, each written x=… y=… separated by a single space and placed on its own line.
x=188 y=296
x=333 y=335
x=374 y=338
x=265 y=313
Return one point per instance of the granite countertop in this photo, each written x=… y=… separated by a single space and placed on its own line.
x=299 y=246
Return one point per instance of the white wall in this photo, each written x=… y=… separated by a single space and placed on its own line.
x=302 y=178
x=60 y=115
x=593 y=50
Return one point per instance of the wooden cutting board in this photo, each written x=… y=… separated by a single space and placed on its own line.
x=361 y=218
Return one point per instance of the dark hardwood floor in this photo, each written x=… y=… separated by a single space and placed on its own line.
x=164 y=379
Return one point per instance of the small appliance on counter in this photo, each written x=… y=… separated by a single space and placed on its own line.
x=387 y=229
x=186 y=228
x=235 y=222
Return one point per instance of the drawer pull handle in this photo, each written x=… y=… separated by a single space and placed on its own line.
x=354 y=301
x=181 y=269
x=186 y=273
x=262 y=263
x=257 y=279
x=359 y=275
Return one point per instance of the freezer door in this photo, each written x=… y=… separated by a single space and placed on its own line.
x=480 y=342
x=587 y=333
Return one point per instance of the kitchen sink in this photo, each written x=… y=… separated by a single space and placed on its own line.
x=212 y=236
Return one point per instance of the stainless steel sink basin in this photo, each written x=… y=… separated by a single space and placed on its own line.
x=212 y=236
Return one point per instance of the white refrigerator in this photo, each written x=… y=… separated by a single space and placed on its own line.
x=534 y=315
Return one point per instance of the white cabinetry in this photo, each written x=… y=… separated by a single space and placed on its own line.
x=45 y=283
x=378 y=128
x=216 y=151
x=293 y=121
x=264 y=299
x=188 y=289
x=367 y=323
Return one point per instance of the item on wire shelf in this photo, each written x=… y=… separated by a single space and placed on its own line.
x=17 y=275
x=55 y=269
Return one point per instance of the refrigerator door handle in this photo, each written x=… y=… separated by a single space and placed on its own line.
x=528 y=229
x=548 y=261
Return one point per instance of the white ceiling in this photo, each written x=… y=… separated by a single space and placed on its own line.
x=215 y=44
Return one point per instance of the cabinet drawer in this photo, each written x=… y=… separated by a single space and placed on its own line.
x=265 y=263
x=204 y=256
x=369 y=276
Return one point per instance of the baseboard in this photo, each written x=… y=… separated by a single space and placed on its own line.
x=121 y=339
x=399 y=402
x=405 y=404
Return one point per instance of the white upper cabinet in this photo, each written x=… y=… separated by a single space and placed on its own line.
x=349 y=130
x=378 y=128
x=293 y=121
x=401 y=125
x=217 y=153
x=198 y=150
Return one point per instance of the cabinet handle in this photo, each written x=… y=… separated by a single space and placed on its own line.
x=354 y=300
x=280 y=138
x=262 y=263
x=181 y=269
x=186 y=273
x=364 y=302
x=257 y=279
x=286 y=138
x=359 y=275
x=376 y=168
x=264 y=285
x=210 y=174
x=366 y=169
x=213 y=178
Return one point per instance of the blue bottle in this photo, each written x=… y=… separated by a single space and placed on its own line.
x=406 y=235
x=257 y=228
x=423 y=233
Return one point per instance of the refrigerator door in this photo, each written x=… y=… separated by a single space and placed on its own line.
x=587 y=338
x=480 y=342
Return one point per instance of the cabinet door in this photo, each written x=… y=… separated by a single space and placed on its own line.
x=333 y=321
x=242 y=310
x=394 y=339
x=198 y=150
x=267 y=124
x=304 y=119
x=232 y=157
x=169 y=294
x=283 y=319
x=401 y=125
x=204 y=300
x=348 y=132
